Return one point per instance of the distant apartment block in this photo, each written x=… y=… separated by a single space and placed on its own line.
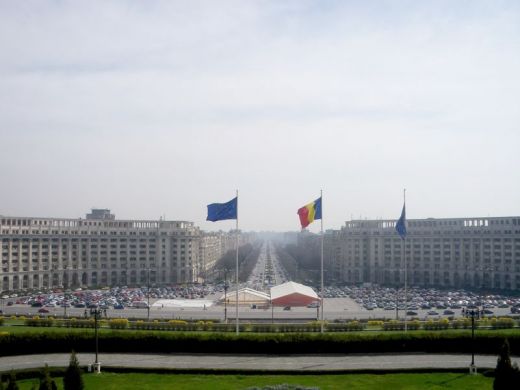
x=454 y=252
x=103 y=251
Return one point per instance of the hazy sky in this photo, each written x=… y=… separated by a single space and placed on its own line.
x=154 y=108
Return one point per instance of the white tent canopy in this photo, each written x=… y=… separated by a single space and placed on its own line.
x=246 y=296
x=293 y=294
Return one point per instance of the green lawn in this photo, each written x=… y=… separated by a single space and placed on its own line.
x=109 y=381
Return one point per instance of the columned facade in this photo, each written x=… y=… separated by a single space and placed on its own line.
x=459 y=252
x=98 y=251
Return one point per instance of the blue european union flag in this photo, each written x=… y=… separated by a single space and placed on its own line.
x=400 y=226
x=222 y=211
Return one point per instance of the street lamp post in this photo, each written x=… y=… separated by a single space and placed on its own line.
x=397 y=302
x=272 y=309
x=473 y=313
x=96 y=313
x=225 y=295
x=64 y=306
x=148 y=293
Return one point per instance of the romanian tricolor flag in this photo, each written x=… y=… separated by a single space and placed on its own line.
x=310 y=212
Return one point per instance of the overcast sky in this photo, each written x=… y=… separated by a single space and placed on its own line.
x=155 y=108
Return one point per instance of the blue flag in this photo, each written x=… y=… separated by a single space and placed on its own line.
x=400 y=226
x=222 y=211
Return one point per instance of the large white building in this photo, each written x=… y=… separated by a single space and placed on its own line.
x=103 y=251
x=451 y=252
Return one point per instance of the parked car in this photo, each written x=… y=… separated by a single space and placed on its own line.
x=411 y=313
x=119 y=307
x=448 y=312
x=433 y=313
x=43 y=310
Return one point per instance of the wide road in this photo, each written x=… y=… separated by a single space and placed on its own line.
x=335 y=308
x=268 y=270
x=258 y=362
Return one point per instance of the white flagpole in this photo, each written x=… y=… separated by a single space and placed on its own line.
x=236 y=316
x=405 y=269
x=322 y=305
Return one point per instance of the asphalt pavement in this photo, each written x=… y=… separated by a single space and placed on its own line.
x=260 y=362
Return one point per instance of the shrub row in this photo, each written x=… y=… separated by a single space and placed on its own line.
x=37 y=321
x=444 y=323
x=314 y=326
x=119 y=323
x=399 y=325
x=172 y=325
x=502 y=323
x=68 y=323
x=280 y=343
x=1 y=320
x=78 y=323
x=461 y=323
x=346 y=327
x=441 y=324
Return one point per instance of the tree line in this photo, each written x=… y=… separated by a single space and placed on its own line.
x=247 y=258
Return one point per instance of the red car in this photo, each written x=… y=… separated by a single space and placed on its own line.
x=43 y=310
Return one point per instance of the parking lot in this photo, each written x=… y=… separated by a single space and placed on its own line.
x=200 y=302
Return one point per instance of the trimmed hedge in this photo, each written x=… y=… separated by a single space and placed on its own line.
x=393 y=325
x=313 y=326
x=464 y=323
x=121 y=323
x=37 y=321
x=502 y=323
x=441 y=324
x=1 y=320
x=78 y=323
x=288 y=343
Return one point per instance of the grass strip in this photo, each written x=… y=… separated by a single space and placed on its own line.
x=120 y=381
